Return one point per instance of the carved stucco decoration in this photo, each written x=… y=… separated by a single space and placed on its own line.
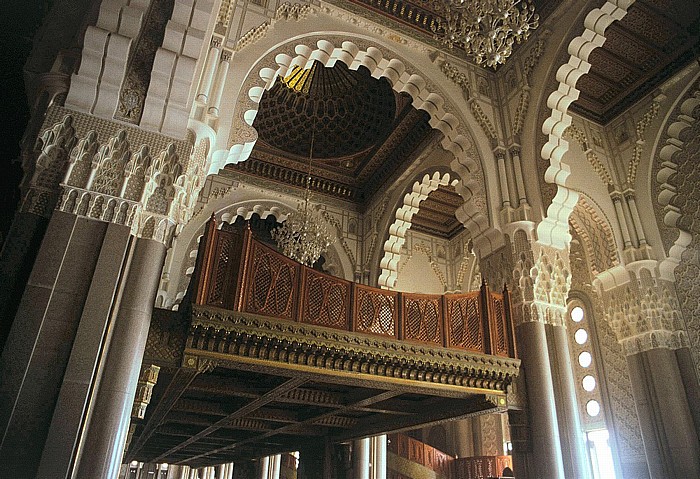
x=286 y=11
x=151 y=188
x=551 y=283
x=573 y=132
x=52 y=149
x=596 y=236
x=402 y=222
x=676 y=168
x=553 y=230
x=457 y=140
x=645 y=313
x=138 y=71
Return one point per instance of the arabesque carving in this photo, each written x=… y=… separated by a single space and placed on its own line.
x=645 y=314
x=109 y=174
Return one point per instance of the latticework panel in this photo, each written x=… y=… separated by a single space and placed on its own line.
x=464 y=322
x=375 y=311
x=422 y=318
x=272 y=284
x=499 y=333
x=325 y=300
x=224 y=270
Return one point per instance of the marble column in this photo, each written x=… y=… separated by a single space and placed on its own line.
x=108 y=423
x=379 y=457
x=544 y=432
x=276 y=465
x=40 y=357
x=360 y=458
x=573 y=440
x=264 y=467
x=667 y=426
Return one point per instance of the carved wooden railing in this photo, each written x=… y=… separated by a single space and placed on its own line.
x=238 y=273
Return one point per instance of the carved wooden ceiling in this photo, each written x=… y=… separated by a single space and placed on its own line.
x=655 y=39
x=436 y=213
x=363 y=132
x=230 y=415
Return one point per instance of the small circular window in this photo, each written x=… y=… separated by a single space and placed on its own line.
x=577 y=314
x=588 y=383
x=581 y=336
x=593 y=408
x=585 y=359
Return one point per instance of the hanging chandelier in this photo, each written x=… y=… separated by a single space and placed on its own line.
x=304 y=235
x=485 y=29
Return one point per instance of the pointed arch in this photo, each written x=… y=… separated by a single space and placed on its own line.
x=402 y=222
x=403 y=79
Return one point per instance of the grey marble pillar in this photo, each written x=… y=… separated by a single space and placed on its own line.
x=667 y=426
x=544 y=432
x=108 y=422
x=35 y=359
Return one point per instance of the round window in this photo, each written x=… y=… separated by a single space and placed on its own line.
x=581 y=336
x=593 y=408
x=577 y=314
x=585 y=359
x=588 y=383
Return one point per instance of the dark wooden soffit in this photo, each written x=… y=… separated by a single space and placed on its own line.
x=436 y=213
x=652 y=42
x=353 y=177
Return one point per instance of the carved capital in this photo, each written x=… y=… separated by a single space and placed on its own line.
x=644 y=313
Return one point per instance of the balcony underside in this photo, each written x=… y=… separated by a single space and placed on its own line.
x=236 y=386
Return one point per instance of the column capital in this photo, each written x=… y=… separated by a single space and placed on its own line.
x=107 y=171
x=644 y=313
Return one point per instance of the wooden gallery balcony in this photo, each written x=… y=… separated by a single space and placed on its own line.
x=266 y=355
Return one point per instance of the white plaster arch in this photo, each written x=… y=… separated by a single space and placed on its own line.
x=456 y=139
x=402 y=222
x=553 y=230
x=674 y=144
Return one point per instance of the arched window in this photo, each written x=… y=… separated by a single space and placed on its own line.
x=588 y=388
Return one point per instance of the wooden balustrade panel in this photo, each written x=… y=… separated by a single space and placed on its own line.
x=375 y=311
x=464 y=323
x=481 y=467
x=499 y=326
x=421 y=318
x=271 y=283
x=224 y=269
x=325 y=300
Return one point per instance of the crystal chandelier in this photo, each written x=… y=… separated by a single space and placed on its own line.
x=486 y=29
x=304 y=235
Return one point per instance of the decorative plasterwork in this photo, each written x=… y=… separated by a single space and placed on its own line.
x=236 y=334
x=575 y=133
x=677 y=169
x=640 y=129
x=137 y=77
x=286 y=11
x=645 y=314
x=553 y=230
x=456 y=138
x=551 y=283
x=596 y=234
x=152 y=188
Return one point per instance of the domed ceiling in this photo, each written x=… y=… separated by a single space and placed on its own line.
x=363 y=132
x=326 y=101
